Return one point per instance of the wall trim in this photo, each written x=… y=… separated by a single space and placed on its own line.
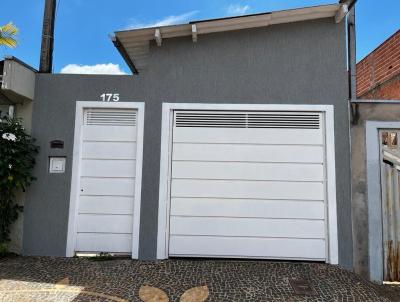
x=374 y=197
x=165 y=160
x=76 y=154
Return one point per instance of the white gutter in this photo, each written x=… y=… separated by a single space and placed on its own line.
x=342 y=12
x=235 y=23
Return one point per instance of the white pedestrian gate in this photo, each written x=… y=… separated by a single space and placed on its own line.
x=248 y=184
x=104 y=214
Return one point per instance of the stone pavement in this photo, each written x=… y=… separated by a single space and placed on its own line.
x=45 y=279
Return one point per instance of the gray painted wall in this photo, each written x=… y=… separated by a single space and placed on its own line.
x=298 y=63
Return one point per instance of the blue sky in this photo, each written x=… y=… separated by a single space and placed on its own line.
x=83 y=26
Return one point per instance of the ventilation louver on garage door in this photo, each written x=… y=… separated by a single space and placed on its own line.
x=110 y=117
x=303 y=120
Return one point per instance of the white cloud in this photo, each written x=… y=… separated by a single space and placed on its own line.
x=237 y=9
x=109 y=68
x=169 y=20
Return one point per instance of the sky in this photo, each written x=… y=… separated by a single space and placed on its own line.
x=83 y=45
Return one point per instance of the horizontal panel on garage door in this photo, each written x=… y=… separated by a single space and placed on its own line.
x=247 y=227
x=248 y=208
x=100 y=242
x=109 y=150
x=248 y=171
x=278 y=248
x=248 y=184
x=241 y=136
x=247 y=189
x=248 y=153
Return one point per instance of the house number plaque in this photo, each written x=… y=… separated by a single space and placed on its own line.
x=109 y=97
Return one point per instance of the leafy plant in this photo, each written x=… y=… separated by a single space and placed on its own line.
x=7 y=35
x=17 y=159
x=3 y=249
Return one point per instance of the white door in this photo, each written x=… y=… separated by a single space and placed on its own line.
x=104 y=221
x=248 y=184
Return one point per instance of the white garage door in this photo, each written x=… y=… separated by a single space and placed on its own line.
x=248 y=184
x=104 y=221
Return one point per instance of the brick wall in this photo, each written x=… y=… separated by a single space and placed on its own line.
x=378 y=74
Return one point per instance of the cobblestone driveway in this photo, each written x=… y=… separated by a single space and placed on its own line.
x=37 y=279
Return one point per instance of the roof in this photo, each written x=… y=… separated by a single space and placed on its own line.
x=12 y=58
x=134 y=44
x=17 y=80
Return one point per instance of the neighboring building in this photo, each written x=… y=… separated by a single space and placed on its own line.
x=378 y=74
x=375 y=163
x=232 y=141
x=17 y=89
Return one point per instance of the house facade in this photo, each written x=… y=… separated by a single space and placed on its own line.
x=231 y=140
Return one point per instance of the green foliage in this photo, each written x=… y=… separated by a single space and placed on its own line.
x=8 y=34
x=17 y=159
x=3 y=249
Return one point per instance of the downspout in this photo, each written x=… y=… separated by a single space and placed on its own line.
x=352 y=63
x=352 y=95
x=350 y=11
